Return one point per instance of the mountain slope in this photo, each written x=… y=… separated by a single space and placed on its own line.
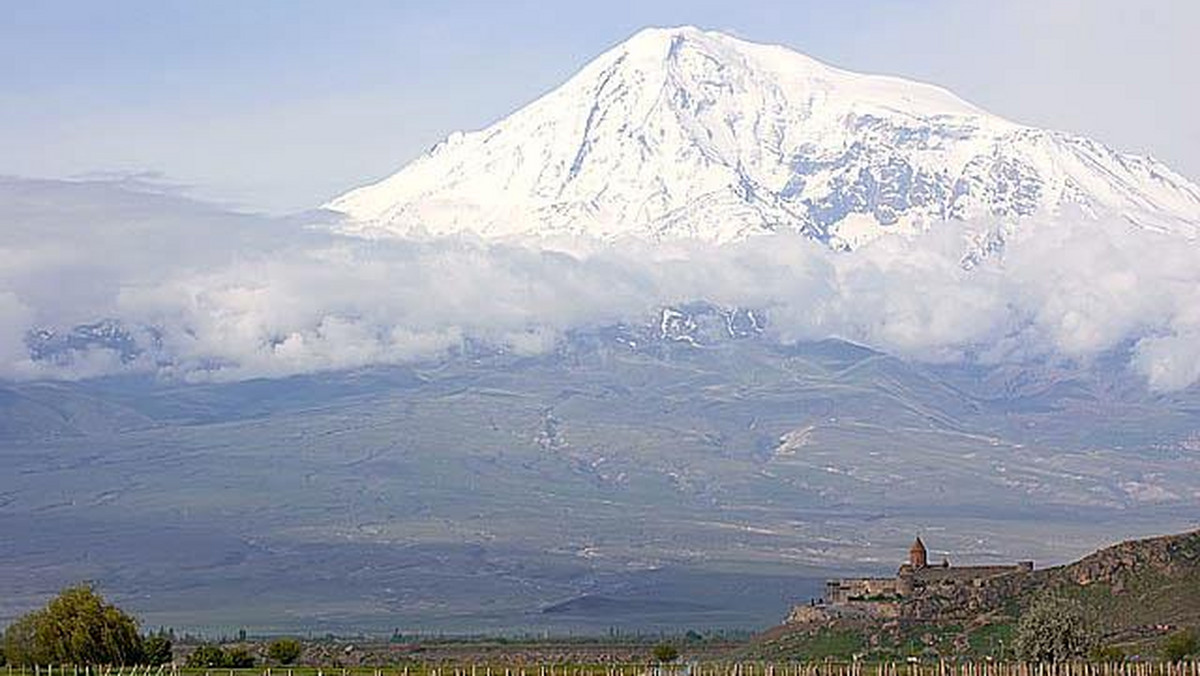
x=681 y=133
x=657 y=461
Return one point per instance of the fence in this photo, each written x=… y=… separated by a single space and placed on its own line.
x=942 y=668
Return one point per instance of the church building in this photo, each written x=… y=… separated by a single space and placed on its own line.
x=913 y=577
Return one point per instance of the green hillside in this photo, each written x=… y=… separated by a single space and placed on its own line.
x=1136 y=588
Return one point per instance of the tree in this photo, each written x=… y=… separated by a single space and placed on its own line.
x=156 y=649
x=1054 y=629
x=665 y=652
x=284 y=650
x=18 y=640
x=76 y=627
x=238 y=657
x=1181 y=645
x=206 y=656
x=209 y=656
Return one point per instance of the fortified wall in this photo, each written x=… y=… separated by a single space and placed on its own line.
x=918 y=590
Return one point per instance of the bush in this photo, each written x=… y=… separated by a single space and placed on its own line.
x=285 y=650
x=238 y=657
x=76 y=627
x=156 y=650
x=206 y=656
x=214 y=656
x=1108 y=653
x=1054 y=629
x=665 y=652
x=1181 y=645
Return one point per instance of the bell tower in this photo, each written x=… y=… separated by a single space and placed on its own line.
x=917 y=556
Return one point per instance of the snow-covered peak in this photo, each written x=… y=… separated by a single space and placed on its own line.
x=797 y=72
x=685 y=133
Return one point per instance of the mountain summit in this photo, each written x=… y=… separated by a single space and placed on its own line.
x=684 y=133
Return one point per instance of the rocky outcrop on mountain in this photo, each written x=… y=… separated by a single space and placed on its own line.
x=1120 y=566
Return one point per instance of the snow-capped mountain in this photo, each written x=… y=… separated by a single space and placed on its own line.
x=683 y=133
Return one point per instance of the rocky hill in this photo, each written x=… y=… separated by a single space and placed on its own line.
x=1136 y=587
x=1136 y=592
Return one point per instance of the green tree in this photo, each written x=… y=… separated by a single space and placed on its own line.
x=210 y=655
x=76 y=627
x=206 y=656
x=238 y=657
x=1181 y=645
x=156 y=649
x=18 y=640
x=1054 y=629
x=285 y=650
x=665 y=652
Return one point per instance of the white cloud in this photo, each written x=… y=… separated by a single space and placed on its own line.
x=14 y=322
x=228 y=296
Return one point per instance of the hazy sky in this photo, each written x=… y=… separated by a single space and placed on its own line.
x=279 y=105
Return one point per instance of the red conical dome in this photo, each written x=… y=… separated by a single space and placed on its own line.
x=917 y=555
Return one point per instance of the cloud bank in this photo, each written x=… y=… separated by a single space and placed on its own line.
x=207 y=294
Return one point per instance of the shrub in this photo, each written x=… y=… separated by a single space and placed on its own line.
x=156 y=650
x=1054 y=629
x=1108 y=653
x=76 y=627
x=665 y=652
x=210 y=656
x=206 y=656
x=284 y=650
x=238 y=657
x=1181 y=645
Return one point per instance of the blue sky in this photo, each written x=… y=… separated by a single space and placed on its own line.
x=279 y=105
